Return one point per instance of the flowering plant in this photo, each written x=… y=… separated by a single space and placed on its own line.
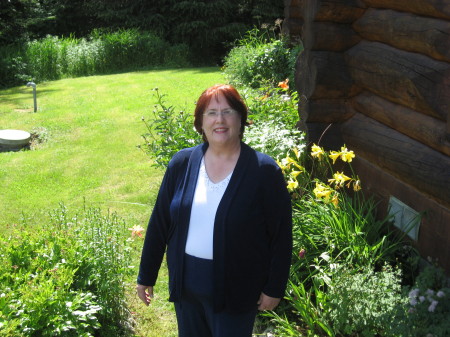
x=326 y=191
x=428 y=307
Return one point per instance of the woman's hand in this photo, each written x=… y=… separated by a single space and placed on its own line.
x=267 y=303
x=145 y=293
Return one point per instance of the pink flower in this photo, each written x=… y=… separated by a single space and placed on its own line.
x=302 y=253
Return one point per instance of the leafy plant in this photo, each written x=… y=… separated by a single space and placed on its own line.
x=363 y=302
x=168 y=132
x=258 y=60
x=274 y=114
x=334 y=226
x=427 y=306
x=75 y=273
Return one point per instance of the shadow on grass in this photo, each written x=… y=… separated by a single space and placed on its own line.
x=19 y=97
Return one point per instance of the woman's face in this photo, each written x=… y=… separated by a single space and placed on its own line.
x=221 y=124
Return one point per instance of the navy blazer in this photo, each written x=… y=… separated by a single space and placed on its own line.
x=252 y=230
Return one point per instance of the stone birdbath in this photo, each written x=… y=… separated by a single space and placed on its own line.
x=13 y=140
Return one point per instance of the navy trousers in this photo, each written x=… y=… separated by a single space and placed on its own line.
x=195 y=314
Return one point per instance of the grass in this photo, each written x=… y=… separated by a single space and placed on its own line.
x=92 y=126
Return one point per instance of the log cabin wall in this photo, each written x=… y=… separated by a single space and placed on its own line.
x=375 y=75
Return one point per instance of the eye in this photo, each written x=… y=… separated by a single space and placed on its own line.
x=227 y=112
x=211 y=113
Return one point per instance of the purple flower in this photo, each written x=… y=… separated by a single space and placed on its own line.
x=440 y=294
x=414 y=293
x=432 y=306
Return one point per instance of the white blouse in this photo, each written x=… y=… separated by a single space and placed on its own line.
x=204 y=207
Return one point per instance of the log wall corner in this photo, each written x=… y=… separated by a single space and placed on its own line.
x=378 y=72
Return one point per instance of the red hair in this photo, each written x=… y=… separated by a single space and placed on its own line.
x=233 y=98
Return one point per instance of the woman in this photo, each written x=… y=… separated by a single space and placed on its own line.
x=224 y=214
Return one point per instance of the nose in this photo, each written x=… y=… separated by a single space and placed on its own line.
x=219 y=117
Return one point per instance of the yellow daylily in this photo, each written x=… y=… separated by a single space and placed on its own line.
x=280 y=164
x=297 y=154
x=347 y=155
x=288 y=161
x=322 y=192
x=335 y=200
x=334 y=155
x=294 y=174
x=317 y=151
x=292 y=185
x=339 y=179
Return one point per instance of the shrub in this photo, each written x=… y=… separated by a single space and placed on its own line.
x=258 y=61
x=13 y=68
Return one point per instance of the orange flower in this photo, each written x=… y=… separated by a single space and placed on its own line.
x=136 y=231
x=284 y=84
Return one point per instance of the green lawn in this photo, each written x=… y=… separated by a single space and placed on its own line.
x=93 y=125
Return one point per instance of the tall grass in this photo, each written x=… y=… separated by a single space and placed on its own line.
x=101 y=53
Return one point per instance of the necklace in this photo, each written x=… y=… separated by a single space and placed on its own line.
x=211 y=186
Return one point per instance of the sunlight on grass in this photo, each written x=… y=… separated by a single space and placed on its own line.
x=93 y=125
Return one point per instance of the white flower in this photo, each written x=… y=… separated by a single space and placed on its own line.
x=412 y=301
x=440 y=294
x=430 y=292
x=421 y=298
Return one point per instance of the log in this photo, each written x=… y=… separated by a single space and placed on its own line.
x=434 y=233
x=293 y=9
x=406 y=159
x=340 y=11
x=433 y=8
x=410 y=79
x=333 y=36
x=325 y=134
x=293 y=28
x=407 y=31
x=425 y=129
x=344 y=11
x=322 y=74
x=329 y=110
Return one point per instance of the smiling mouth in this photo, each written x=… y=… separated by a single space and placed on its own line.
x=220 y=129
